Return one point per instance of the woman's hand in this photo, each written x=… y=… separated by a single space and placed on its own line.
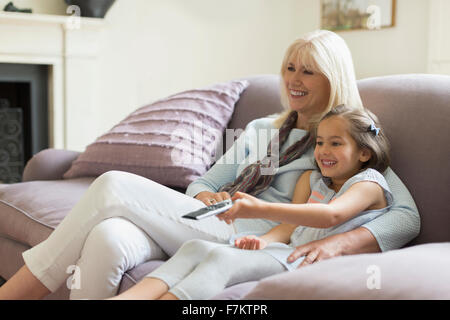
x=210 y=198
x=356 y=241
x=318 y=250
x=250 y=243
x=245 y=206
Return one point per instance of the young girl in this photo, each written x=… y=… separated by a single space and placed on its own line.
x=351 y=151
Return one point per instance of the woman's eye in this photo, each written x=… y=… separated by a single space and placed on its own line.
x=335 y=144
x=291 y=69
x=307 y=72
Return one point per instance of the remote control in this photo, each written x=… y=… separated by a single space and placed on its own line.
x=209 y=211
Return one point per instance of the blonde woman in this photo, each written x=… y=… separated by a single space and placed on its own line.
x=124 y=220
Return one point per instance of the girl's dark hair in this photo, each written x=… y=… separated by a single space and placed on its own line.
x=363 y=126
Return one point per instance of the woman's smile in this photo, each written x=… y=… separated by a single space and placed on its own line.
x=297 y=94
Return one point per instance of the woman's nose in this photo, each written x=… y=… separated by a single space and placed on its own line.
x=297 y=77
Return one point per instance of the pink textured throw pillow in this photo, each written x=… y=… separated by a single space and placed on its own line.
x=172 y=141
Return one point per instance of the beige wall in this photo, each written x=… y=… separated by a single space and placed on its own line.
x=153 y=48
x=156 y=48
x=402 y=49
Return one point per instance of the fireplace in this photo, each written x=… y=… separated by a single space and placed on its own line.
x=63 y=56
x=24 y=125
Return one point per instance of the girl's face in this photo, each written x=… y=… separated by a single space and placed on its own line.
x=308 y=92
x=336 y=152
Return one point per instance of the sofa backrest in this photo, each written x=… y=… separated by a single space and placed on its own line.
x=414 y=110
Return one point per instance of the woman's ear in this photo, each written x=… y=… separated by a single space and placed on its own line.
x=365 y=155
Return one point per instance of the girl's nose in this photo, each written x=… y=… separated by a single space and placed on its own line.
x=324 y=150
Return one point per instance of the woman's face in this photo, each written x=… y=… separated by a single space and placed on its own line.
x=308 y=92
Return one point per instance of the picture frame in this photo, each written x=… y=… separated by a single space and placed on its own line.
x=344 y=15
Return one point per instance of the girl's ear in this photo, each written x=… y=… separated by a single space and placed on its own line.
x=365 y=155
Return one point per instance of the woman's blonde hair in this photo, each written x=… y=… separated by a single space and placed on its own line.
x=327 y=53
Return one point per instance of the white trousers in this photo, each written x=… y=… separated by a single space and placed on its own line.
x=121 y=221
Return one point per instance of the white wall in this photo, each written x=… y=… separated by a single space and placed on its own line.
x=153 y=48
x=401 y=49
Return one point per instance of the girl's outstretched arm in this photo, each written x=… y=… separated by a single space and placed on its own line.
x=281 y=233
x=359 y=197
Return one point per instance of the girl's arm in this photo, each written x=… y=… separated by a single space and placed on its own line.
x=356 y=199
x=282 y=232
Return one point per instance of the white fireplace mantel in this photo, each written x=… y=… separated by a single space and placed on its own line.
x=70 y=48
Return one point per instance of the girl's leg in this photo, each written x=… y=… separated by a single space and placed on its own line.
x=151 y=206
x=225 y=266
x=158 y=282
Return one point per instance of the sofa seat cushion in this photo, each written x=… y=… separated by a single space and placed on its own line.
x=29 y=211
x=418 y=272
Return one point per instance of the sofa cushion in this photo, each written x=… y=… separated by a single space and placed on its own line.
x=29 y=211
x=133 y=276
x=418 y=272
x=172 y=141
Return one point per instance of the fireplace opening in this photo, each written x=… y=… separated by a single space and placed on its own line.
x=23 y=117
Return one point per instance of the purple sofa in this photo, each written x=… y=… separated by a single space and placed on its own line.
x=415 y=112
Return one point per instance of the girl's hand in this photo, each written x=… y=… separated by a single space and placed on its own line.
x=317 y=250
x=245 y=206
x=210 y=198
x=250 y=243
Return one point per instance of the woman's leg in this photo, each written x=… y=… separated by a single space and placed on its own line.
x=153 y=207
x=113 y=246
x=23 y=285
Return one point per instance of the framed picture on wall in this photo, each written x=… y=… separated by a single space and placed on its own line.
x=338 y=15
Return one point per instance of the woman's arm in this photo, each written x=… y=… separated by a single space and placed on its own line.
x=356 y=241
x=401 y=223
x=389 y=231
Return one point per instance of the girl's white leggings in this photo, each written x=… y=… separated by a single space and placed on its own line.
x=202 y=269
x=121 y=221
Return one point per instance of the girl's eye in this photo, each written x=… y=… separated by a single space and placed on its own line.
x=319 y=143
x=307 y=72
x=291 y=69
x=335 y=144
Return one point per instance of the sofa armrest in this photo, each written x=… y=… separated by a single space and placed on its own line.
x=49 y=164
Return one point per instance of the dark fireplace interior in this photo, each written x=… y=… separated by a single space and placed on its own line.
x=23 y=117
